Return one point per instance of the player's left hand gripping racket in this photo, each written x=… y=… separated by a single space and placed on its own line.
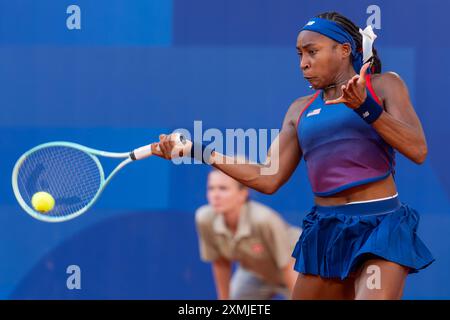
x=71 y=173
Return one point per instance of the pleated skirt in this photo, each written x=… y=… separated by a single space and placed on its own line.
x=336 y=240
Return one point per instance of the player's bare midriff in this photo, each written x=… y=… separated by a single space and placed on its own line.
x=370 y=191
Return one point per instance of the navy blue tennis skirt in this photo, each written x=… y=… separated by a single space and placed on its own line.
x=337 y=239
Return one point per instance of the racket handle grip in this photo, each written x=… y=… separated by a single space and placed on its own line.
x=146 y=151
x=142 y=152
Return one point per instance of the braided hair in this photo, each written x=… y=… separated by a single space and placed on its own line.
x=353 y=30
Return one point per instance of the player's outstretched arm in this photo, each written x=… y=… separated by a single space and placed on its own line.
x=283 y=156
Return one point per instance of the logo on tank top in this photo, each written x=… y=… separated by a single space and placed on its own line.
x=314 y=112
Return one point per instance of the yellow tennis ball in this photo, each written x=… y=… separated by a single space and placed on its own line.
x=42 y=201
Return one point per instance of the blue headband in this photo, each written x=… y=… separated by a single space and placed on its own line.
x=334 y=31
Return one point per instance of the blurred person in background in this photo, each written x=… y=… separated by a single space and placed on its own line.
x=232 y=228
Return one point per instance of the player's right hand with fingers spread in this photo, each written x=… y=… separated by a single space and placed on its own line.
x=354 y=93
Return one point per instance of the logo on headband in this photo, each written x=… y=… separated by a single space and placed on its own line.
x=310 y=23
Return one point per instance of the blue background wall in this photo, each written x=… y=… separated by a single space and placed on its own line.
x=138 y=68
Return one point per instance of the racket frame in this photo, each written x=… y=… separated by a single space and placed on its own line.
x=137 y=154
x=93 y=153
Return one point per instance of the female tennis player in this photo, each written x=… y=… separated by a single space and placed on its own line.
x=359 y=240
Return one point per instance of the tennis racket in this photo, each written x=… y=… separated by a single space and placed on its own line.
x=71 y=173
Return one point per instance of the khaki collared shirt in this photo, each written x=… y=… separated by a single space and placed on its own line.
x=263 y=242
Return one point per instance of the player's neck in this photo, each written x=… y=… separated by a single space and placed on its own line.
x=333 y=90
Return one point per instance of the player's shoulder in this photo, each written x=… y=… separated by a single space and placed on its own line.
x=204 y=215
x=386 y=84
x=304 y=99
x=297 y=107
x=386 y=80
x=300 y=103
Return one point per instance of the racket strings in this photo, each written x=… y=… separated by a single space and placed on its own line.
x=70 y=175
